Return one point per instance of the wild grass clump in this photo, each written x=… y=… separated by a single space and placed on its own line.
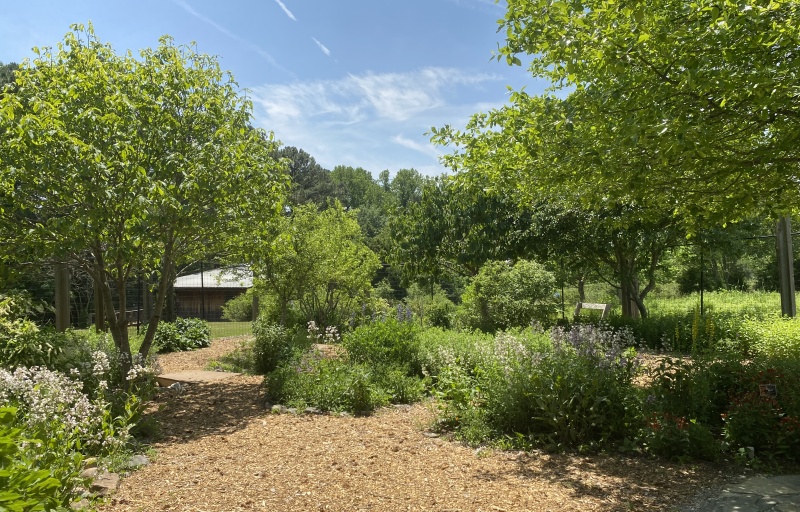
x=773 y=337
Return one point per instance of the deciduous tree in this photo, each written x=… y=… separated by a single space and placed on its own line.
x=124 y=165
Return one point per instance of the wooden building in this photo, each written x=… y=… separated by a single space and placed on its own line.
x=203 y=294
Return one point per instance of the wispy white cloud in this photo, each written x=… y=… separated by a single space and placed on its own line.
x=322 y=47
x=416 y=145
x=286 y=10
x=369 y=120
x=472 y=4
x=254 y=47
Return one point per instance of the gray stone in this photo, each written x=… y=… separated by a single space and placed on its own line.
x=292 y=410
x=789 y=506
x=790 y=481
x=89 y=472
x=733 y=501
x=278 y=409
x=105 y=484
x=312 y=410
x=138 y=461
x=82 y=504
x=764 y=486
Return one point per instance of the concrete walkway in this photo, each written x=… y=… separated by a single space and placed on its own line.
x=755 y=494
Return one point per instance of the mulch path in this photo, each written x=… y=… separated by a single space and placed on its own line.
x=219 y=449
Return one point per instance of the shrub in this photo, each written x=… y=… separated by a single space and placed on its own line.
x=764 y=412
x=271 y=345
x=239 y=308
x=432 y=307
x=22 y=343
x=387 y=343
x=742 y=400
x=398 y=386
x=503 y=295
x=327 y=384
x=182 y=335
x=678 y=438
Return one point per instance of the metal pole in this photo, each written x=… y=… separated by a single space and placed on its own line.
x=62 y=296
x=702 y=275
x=139 y=306
x=783 y=239
x=562 y=288
x=202 y=293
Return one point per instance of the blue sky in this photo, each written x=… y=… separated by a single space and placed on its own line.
x=352 y=82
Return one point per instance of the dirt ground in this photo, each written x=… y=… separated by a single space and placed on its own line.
x=219 y=449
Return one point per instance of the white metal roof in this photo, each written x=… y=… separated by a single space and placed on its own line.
x=217 y=278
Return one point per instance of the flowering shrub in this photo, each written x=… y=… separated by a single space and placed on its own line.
x=54 y=406
x=328 y=337
x=675 y=437
x=764 y=412
x=578 y=393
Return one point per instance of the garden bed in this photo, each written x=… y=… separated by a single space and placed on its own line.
x=220 y=449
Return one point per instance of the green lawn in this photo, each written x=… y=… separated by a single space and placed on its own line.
x=226 y=329
x=218 y=330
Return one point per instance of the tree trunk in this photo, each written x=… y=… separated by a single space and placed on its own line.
x=164 y=283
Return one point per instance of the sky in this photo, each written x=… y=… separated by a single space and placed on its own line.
x=351 y=82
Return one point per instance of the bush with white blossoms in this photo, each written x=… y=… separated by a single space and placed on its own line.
x=327 y=337
x=54 y=406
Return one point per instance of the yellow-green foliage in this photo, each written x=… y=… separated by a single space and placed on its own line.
x=772 y=337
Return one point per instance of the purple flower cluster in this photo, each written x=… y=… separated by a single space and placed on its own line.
x=599 y=344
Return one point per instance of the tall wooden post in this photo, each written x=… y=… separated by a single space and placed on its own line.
x=147 y=300
x=783 y=237
x=99 y=310
x=255 y=306
x=62 y=296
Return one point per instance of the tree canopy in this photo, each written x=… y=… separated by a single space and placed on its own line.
x=688 y=107
x=126 y=166
x=317 y=258
x=310 y=182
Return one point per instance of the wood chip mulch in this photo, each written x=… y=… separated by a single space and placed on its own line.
x=219 y=449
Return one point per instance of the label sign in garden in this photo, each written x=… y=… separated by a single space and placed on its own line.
x=768 y=390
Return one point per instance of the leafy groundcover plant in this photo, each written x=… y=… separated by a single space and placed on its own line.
x=182 y=335
x=24 y=483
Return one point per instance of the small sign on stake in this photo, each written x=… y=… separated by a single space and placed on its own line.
x=768 y=390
